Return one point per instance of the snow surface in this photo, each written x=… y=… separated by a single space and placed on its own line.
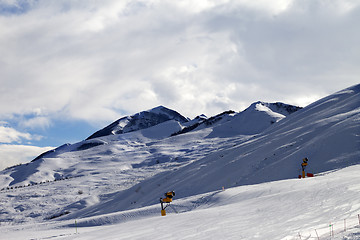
x=274 y=210
x=111 y=185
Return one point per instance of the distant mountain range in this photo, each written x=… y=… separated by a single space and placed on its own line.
x=259 y=111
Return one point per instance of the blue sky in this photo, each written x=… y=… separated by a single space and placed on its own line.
x=69 y=68
x=15 y=7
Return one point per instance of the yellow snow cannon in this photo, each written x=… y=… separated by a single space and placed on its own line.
x=167 y=200
x=303 y=165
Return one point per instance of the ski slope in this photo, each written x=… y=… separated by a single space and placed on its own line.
x=274 y=210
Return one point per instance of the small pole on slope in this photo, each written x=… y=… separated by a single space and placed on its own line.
x=299 y=236
x=330 y=229
x=344 y=225
x=317 y=234
x=76 y=227
x=359 y=218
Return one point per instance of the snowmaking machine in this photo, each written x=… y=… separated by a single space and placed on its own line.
x=165 y=202
x=303 y=166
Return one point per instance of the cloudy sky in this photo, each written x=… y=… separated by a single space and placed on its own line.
x=70 y=67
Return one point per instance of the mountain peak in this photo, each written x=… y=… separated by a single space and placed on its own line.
x=158 y=108
x=277 y=107
x=254 y=119
x=141 y=120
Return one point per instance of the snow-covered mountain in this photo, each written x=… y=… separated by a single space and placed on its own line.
x=327 y=132
x=140 y=121
x=156 y=124
x=255 y=119
x=129 y=166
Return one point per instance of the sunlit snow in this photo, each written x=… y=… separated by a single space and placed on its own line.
x=235 y=177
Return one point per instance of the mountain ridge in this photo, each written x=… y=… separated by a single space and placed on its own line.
x=157 y=123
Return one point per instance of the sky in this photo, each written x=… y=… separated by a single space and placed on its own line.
x=71 y=67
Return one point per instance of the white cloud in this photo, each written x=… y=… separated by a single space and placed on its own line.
x=36 y=122
x=94 y=60
x=11 y=155
x=9 y=135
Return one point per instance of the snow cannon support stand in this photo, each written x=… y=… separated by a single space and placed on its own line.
x=303 y=166
x=165 y=202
